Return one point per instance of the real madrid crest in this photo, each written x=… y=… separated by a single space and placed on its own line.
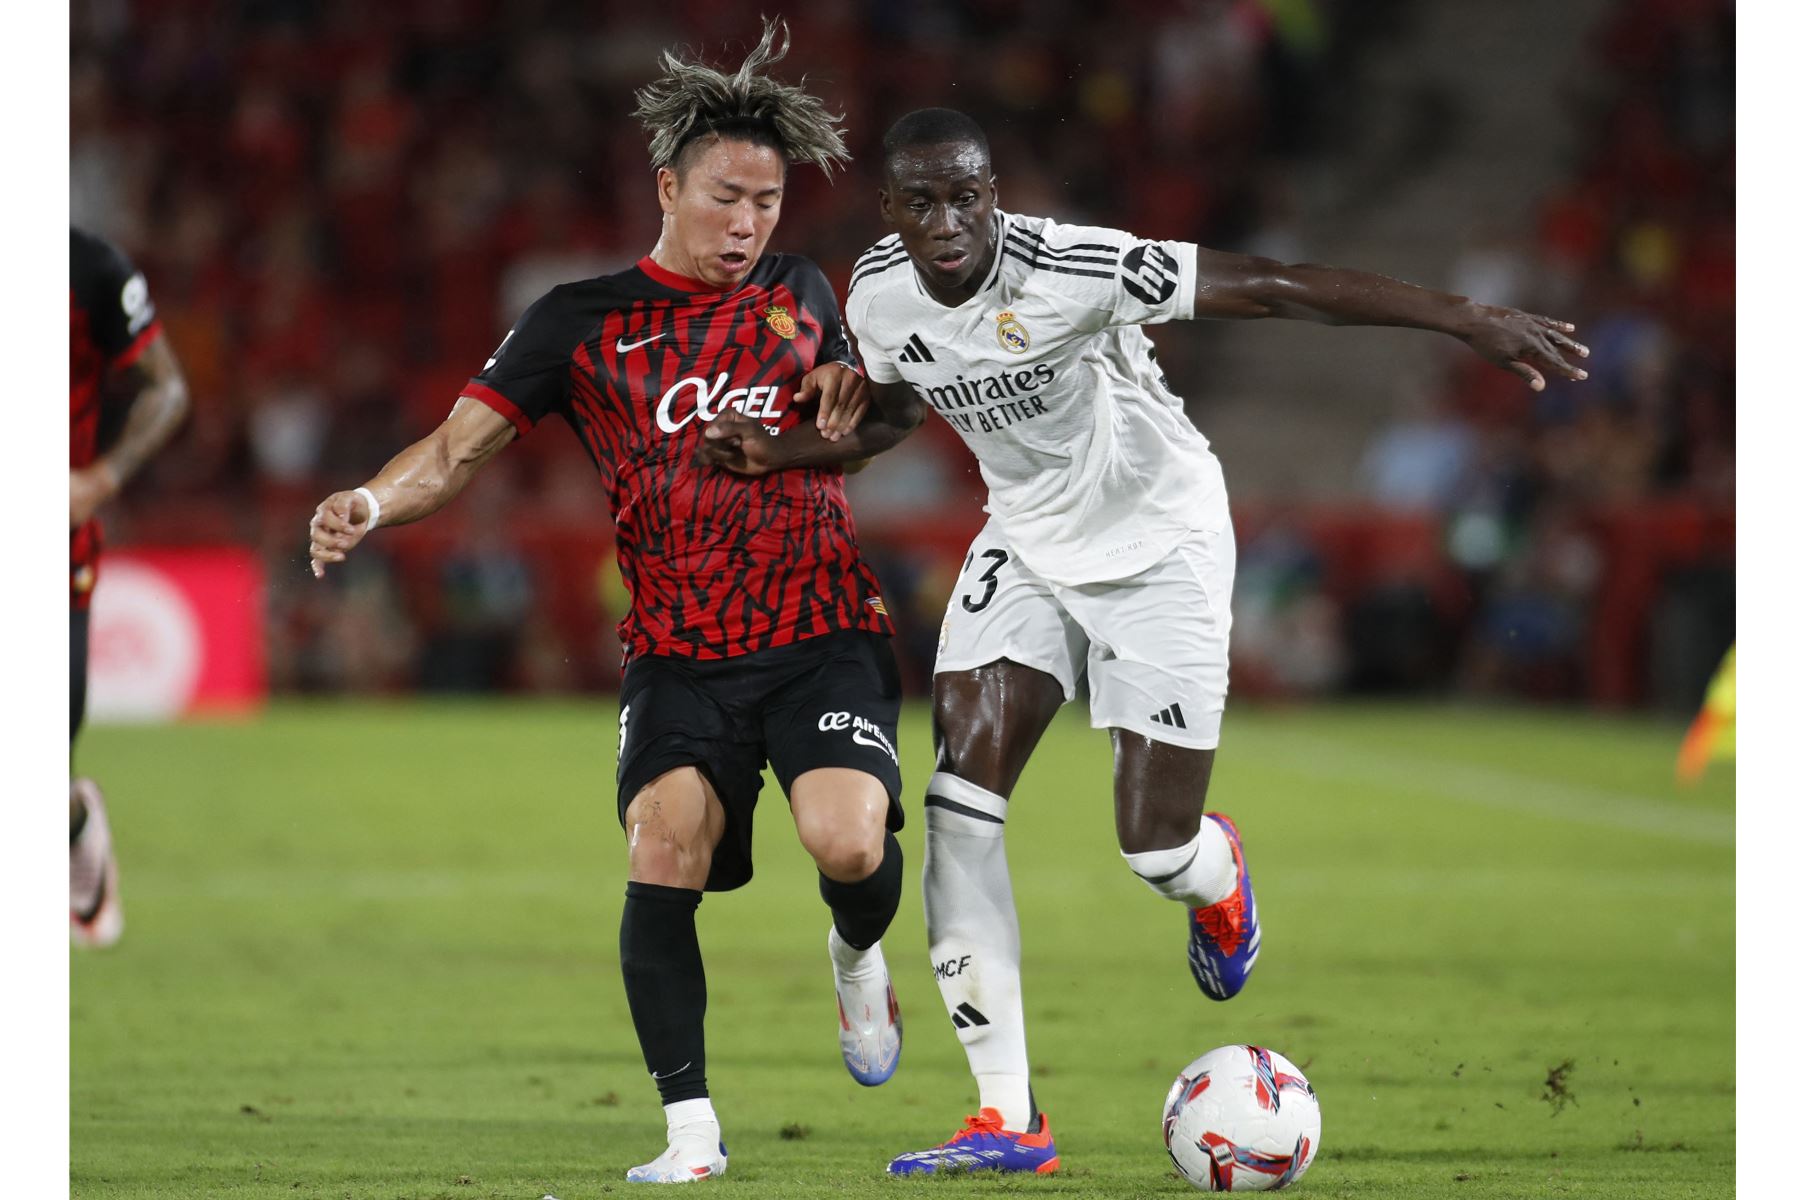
x=780 y=321
x=1012 y=335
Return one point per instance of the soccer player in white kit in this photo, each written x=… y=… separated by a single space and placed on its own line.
x=1108 y=553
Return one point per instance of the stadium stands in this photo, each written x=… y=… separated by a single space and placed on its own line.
x=341 y=206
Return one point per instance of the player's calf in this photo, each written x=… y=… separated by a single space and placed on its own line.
x=869 y=1025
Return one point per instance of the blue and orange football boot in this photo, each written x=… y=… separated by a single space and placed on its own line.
x=983 y=1144
x=1224 y=938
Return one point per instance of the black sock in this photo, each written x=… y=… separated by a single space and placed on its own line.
x=665 y=984
x=863 y=910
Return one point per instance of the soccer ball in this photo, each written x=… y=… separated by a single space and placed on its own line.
x=1241 y=1119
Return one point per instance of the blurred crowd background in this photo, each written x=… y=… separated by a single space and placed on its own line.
x=341 y=207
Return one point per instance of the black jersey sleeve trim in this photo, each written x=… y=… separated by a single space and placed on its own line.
x=1040 y=239
x=879 y=251
x=1044 y=265
x=875 y=270
x=1042 y=249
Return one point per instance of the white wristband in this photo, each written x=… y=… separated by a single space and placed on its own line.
x=374 y=508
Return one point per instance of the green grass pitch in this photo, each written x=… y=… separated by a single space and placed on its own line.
x=371 y=951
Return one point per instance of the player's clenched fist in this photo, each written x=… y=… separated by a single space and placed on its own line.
x=739 y=444
x=338 y=524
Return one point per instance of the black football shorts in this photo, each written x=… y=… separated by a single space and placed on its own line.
x=826 y=701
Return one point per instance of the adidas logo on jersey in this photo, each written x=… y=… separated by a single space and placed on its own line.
x=1170 y=716
x=915 y=351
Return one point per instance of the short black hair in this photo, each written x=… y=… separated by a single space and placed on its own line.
x=933 y=127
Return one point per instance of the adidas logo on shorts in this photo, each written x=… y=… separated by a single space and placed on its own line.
x=1170 y=716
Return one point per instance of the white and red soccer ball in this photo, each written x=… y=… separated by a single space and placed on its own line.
x=1241 y=1119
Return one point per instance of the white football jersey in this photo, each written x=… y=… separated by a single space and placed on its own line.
x=1092 y=467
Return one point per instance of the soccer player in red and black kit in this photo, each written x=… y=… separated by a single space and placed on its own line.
x=756 y=633
x=122 y=374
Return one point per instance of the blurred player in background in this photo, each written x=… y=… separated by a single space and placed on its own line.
x=123 y=376
x=756 y=633
x=1108 y=554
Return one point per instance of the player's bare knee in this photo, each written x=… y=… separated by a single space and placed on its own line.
x=669 y=863
x=1158 y=820
x=1159 y=792
x=662 y=854
x=845 y=844
x=671 y=827
x=967 y=738
x=849 y=856
x=841 y=817
x=986 y=721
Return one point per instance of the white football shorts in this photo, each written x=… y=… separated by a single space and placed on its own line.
x=1153 y=646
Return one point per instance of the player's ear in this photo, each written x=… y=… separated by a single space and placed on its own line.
x=887 y=205
x=668 y=186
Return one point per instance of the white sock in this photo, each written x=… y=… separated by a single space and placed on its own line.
x=853 y=965
x=973 y=928
x=691 y=1117
x=1197 y=874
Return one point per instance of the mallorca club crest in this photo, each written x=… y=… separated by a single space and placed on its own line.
x=781 y=321
x=1012 y=335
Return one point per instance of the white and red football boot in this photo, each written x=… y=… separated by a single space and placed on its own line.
x=95 y=916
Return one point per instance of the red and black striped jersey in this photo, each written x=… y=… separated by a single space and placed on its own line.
x=718 y=564
x=111 y=321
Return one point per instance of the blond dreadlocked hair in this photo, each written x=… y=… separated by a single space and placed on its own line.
x=692 y=100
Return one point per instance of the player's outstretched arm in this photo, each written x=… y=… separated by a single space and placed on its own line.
x=737 y=443
x=159 y=404
x=415 y=483
x=1245 y=287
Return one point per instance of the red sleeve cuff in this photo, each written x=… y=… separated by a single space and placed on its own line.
x=139 y=344
x=499 y=403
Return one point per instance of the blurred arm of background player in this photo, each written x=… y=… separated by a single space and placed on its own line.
x=415 y=483
x=1243 y=287
x=845 y=434
x=158 y=404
